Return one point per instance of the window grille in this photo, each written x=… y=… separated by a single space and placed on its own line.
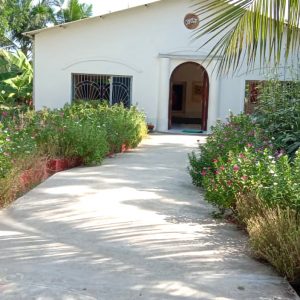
x=113 y=89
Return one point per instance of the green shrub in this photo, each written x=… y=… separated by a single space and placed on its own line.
x=232 y=136
x=15 y=142
x=274 y=180
x=122 y=125
x=278 y=113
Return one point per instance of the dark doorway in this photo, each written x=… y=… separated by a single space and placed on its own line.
x=189 y=90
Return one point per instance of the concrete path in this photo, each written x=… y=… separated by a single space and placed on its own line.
x=134 y=228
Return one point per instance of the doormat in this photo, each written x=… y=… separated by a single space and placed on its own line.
x=192 y=131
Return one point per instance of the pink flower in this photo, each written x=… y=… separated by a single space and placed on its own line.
x=215 y=161
x=244 y=178
x=242 y=155
x=4 y=114
x=222 y=168
x=249 y=145
x=217 y=172
x=229 y=182
x=236 y=168
x=203 y=173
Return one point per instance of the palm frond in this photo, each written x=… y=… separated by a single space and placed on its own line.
x=249 y=30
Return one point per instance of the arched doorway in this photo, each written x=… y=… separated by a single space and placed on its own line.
x=189 y=91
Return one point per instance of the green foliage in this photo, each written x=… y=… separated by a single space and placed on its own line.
x=278 y=113
x=249 y=31
x=123 y=126
x=273 y=180
x=254 y=170
x=15 y=142
x=233 y=136
x=16 y=78
x=87 y=130
x=74 y=10
x=19 y=16
x=63 y=137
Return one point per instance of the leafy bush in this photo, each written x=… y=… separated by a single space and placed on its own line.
x=123 y=126
x=232 y=136
x=278 y=113
x=271 y=178
x=84 y=132
x=14 y=143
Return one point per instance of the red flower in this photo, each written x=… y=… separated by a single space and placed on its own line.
x=215 y=161
x=229 y=182
x=236 y=168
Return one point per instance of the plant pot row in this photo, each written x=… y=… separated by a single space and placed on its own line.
x=49 y=167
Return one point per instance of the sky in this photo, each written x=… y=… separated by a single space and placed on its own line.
x=105 y=6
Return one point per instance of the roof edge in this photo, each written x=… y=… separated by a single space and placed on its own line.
x=32 y=33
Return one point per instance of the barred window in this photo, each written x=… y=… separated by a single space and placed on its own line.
x=110 y=88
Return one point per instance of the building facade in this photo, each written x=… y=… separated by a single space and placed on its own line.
x=143 y=56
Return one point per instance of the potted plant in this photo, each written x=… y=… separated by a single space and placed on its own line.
x=150 y=127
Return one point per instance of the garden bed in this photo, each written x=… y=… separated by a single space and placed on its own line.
x=80 y=134
x=250 y=166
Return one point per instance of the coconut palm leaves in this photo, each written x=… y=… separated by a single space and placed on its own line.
x=72 y=11
x=249 y=30
x=20 y=16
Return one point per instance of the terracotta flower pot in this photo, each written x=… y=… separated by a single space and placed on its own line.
x=60 y=164
x=57 y=165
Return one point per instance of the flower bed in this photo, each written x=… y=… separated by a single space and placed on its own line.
x=35 y=145
x=250 y=166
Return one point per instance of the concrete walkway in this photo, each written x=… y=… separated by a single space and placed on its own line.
x=134 y=228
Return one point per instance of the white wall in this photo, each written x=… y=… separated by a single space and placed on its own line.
x=146 y=42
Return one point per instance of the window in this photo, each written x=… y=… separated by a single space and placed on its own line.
x=113 y=89
x=252 y=95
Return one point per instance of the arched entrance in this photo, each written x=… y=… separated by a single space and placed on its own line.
x=189 y=91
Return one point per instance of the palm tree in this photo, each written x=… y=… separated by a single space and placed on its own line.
x=249 y=30
x=20 y=16
x=73 y=11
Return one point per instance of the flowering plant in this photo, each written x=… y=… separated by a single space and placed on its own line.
x=271 y=178
x=240 y=131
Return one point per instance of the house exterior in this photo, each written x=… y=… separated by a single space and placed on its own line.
x=143 y=56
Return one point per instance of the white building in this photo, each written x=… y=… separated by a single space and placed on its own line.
x=142 y=56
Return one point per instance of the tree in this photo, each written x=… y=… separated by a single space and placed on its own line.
x=249 y=30
x=20 y=16
x=73 y=11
